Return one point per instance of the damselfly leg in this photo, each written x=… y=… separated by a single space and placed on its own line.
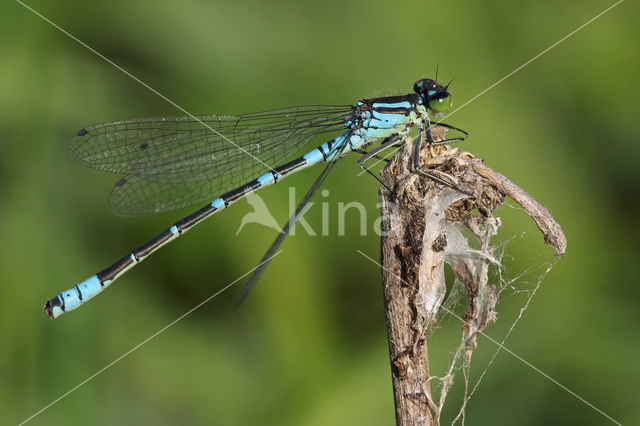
x=257 y=273
x=373 y=154
x=449 y=126
x=430 y=141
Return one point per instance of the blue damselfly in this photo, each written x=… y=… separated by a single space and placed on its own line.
x=174 y=162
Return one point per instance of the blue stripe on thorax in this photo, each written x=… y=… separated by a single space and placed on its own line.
x=401 y=105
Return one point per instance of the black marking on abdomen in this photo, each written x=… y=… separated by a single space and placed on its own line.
x=52 y=303
x=194 y=218
x=79 y=292
x=324 y=155
x=152 y=245
x=240 y=192
x=110 y=272
x=291 y=165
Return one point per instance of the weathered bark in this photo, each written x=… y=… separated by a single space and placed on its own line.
x=419 y=217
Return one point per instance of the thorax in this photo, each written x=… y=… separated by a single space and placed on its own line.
x=381 y=117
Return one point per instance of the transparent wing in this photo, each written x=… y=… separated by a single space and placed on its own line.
x=133 y=195
x=173 y=162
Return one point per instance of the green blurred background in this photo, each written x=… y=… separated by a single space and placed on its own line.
x=309 y=346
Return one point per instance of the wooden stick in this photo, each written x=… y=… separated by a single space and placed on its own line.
x=415 y=218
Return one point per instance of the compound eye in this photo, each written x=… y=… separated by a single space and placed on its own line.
x=440 y=105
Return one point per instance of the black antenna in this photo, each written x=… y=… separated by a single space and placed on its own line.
x=436 y=72
x=450 y=81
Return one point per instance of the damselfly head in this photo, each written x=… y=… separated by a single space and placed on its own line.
x=434 y=96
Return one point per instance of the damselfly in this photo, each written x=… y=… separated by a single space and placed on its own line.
x=173 y=162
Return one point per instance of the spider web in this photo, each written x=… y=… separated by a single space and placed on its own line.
x=490 y=264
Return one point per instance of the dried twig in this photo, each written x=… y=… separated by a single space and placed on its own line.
x=422 y=225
